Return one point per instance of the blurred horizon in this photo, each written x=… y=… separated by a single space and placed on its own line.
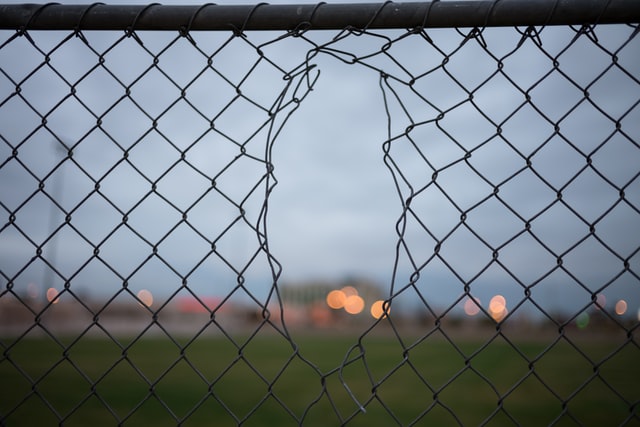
x=136 y=203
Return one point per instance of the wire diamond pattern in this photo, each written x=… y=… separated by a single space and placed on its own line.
x=499 y=129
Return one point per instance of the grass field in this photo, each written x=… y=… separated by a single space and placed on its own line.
x=94 y=383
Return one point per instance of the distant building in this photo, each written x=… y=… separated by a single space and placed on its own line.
x=310 y=293
x=308 y=303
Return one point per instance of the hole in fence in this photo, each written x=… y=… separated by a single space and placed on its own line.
x=331 y=210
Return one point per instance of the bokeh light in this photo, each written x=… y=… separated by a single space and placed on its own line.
x=621 y=307
x=582 y=320
x=377 y=310
x=353 y=304
x=52 y=295
x=472 y=306
x=349 y=291
x=335 y=299
x=601 y=301
x=32 y=290
x=498 y=308
x=146 y=297
x=346 y=298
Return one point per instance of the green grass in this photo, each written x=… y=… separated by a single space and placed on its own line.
x=94 y=382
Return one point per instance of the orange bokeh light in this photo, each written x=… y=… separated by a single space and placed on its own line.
x=52 y=295
x=497 y=304
x=335 y=299
x=349 y=291
x=621 y=307
x=498 y=308
x=377 y=310
x=353 y=304
x=601 y=301
x=146 y=297
x=472 y=306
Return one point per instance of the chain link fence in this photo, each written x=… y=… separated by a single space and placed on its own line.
x=139 y=268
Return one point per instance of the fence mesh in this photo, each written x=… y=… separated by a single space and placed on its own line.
x=134 y=160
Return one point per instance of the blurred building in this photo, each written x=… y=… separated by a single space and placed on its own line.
x=308 y=303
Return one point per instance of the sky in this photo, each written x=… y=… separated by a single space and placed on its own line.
x=335 y=212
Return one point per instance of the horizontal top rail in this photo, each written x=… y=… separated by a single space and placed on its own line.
x=322 y=16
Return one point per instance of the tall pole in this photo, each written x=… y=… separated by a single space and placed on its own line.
x=56 y=194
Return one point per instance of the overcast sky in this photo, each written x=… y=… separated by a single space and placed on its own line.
x=334 y=211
